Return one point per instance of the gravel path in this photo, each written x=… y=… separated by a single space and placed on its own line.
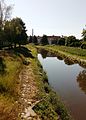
x=27 y=95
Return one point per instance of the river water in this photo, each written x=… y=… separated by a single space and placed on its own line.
x=69 y=81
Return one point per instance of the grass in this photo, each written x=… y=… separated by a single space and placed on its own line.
x=8 y=79
x=9 y=84
x=50 y=106
x=70 y=55
x=70 y=50
x=73 y=50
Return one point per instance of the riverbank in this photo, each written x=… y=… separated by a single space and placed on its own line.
x=71 y=54
x=50 y=106
x=24 y=89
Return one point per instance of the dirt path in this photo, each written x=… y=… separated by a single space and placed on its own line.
x=27 y=94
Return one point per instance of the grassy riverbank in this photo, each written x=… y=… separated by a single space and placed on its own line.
x=70 y=50
x=71 y=54
x=50 y=107
x=12 y=61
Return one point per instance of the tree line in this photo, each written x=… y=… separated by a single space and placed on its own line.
x=70 y=41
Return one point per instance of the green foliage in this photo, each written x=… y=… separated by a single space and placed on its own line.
x=30 y=39
x=84 y=34
x=15 y=32
x=70 y=40
x=35 y=41
x=45 y=111
x=70 y=50
x=61 y=41
x=8 y=80
x=19 y=31
x=83 y=45
x=44 y=40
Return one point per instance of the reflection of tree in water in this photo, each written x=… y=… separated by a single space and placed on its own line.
x=46 y=53
x=43 y=53
x=68 y=61
x=81 y=79
x=59 y=57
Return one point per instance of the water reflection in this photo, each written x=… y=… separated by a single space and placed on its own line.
x=68 y=61
x=63 y=79
x=81 y=79
x=46 y=53
x=43 y=52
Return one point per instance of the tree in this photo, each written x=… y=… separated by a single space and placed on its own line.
x=1 y=38
x=70 y=41
x=5 y=12
x=61 y=41
x=35 y=41
x=84 y=34
x=30 y=39
x=44 y=40
x=21 y=32
x=8 y=33
x=15 y=31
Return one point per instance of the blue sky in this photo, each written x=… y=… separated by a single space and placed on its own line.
x=51 y=17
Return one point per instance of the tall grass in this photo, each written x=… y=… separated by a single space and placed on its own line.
x=9 y=84
x=8 y=80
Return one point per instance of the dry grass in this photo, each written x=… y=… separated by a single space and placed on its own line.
x=9 y=85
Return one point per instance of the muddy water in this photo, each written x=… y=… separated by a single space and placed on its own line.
x=69 y=81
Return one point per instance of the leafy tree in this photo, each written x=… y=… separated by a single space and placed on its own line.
x=44 y=40
x=61 y=41
x=21 y=32
x=83 y=45
x=35 y=41
x=17 y=31
x=84 y=34
x=30 y=39
x=8 y=30
x=70 y=41
x=5 y=12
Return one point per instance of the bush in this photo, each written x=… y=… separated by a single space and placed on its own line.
x=45 y=111
x=83 y=46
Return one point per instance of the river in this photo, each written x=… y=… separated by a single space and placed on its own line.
x=69 y=81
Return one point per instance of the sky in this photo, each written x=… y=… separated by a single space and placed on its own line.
x=51 y=17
